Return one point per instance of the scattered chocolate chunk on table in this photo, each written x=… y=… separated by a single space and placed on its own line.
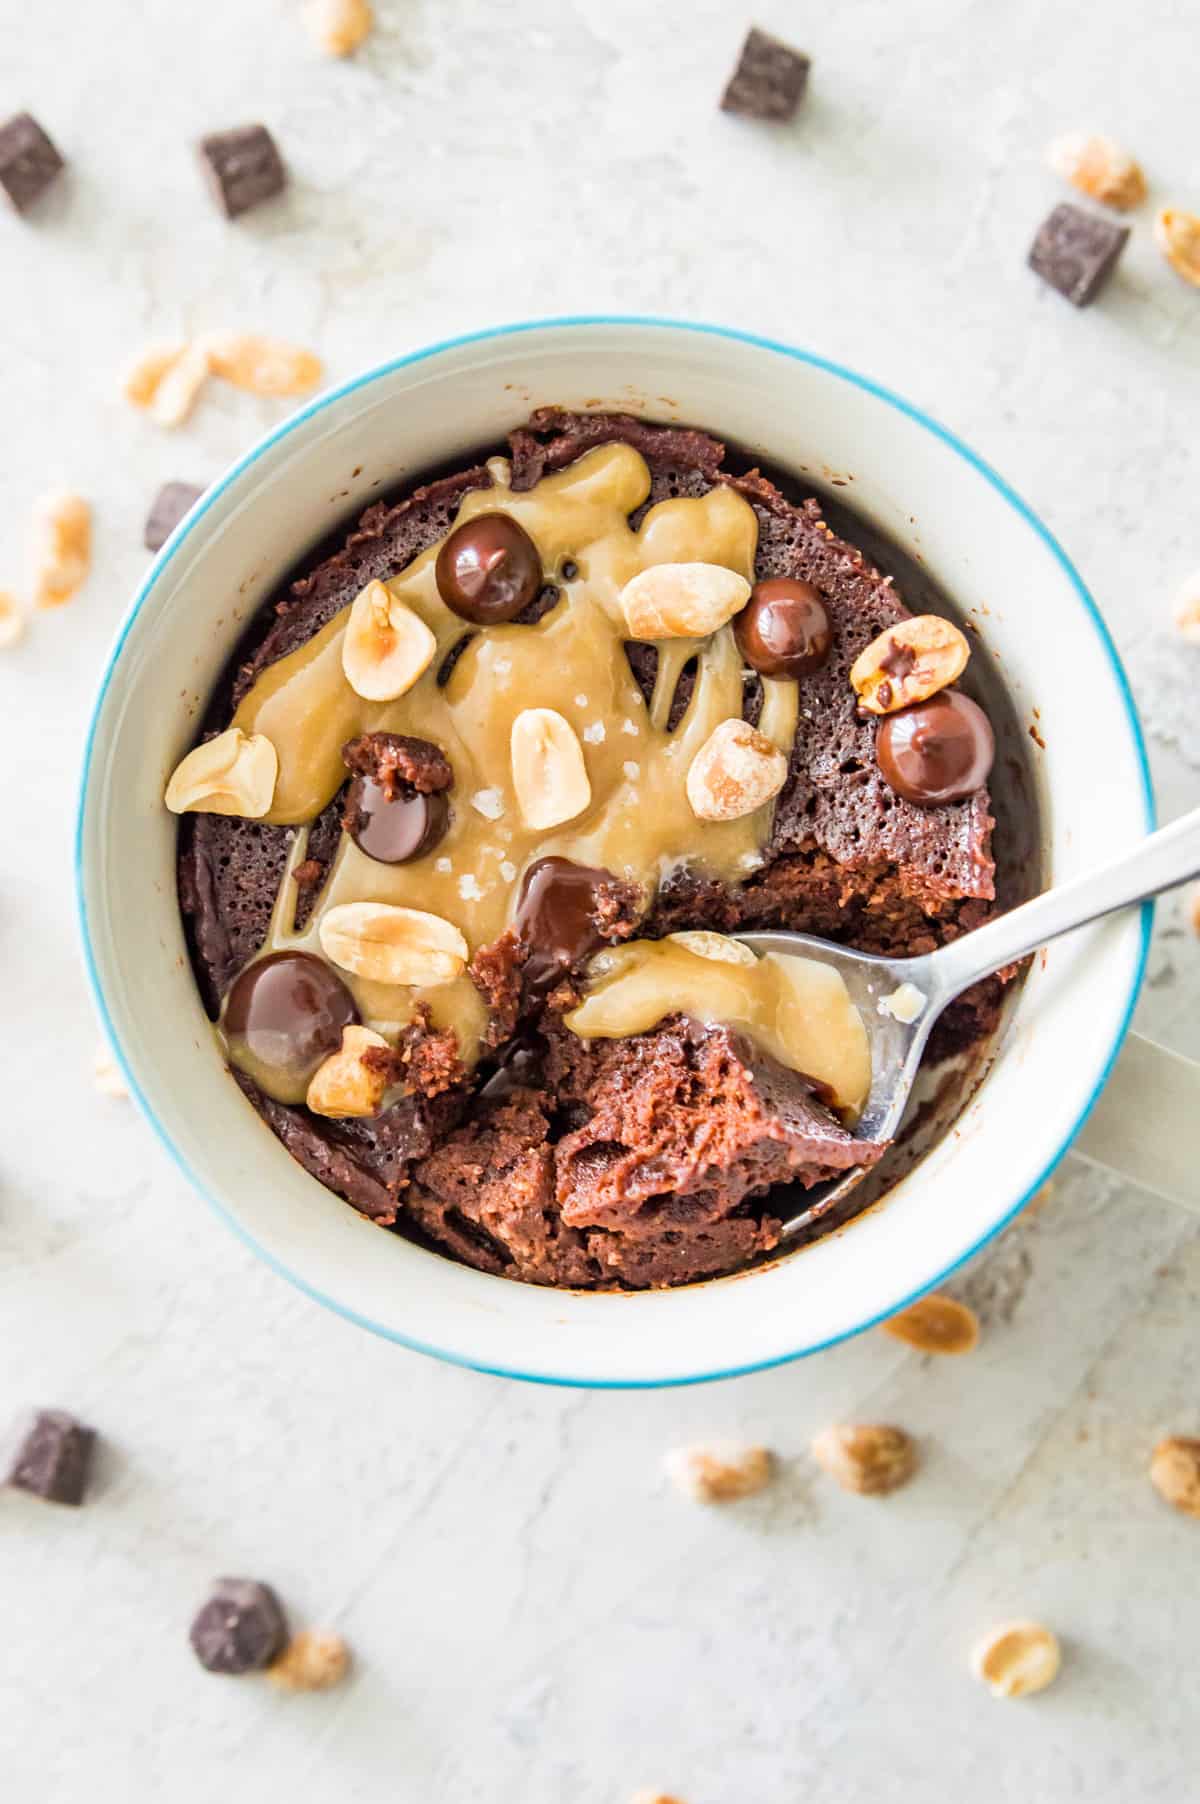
x=240 y=1629
x=173 y=501
x=243 y=167
x=769 y=80
x=53 y=1458
x=29 y=161
x=1076 y=252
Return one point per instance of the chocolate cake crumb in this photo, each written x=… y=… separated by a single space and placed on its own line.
x=495 y=971
x=424 y=1056
x=395 y=759
x=688 y=1121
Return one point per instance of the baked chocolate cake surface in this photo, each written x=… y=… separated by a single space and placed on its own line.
x=535 y=1153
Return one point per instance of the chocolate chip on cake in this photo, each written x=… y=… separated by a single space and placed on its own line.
x=243 y=167
x=53 y=1458
x=769 y=80
x=1076 y=252
x=29 y=161
x=488 y=570
x=783 y=631
x=567 y=911
x=939 y=751
x=173 y=501
x=283 y=1016
x=240 y=1629
x=393 y=829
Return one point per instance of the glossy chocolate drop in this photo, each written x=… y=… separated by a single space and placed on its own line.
x=394 y=830
x=939 y=751
x=489 y=569
x=283 y=1015
x=557 y=917
x=783 y=630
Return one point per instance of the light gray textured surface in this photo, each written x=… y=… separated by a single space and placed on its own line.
x=536 y=1618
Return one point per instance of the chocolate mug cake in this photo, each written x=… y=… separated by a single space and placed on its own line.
x=480 y=803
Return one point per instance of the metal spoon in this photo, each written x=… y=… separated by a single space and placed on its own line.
x=1167 y=858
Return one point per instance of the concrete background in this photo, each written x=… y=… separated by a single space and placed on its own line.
x=536 y=1616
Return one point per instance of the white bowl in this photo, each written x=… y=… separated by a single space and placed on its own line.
x=923 y=488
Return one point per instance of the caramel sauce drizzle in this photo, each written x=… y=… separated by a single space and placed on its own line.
x=639 y=824
x=796 y=1009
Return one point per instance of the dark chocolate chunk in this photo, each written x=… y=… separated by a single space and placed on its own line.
x=284 y=1014
x=769 y=80
x=560 y=918
x=173 y=501
x=393 y=829
x=243 y=167
x=939 y=751
x=29 y=161
x=240 y=1629
x=1076 y=252
x=489 y=569
x=783 y=630
x=53 y=1458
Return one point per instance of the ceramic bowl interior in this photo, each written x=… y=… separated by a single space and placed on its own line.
x=922 y=490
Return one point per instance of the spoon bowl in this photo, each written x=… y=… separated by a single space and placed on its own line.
x=900 y=999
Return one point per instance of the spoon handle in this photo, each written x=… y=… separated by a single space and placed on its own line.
x=1169 y=857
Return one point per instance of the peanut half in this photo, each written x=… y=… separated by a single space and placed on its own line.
x=313 y=1660
x=1098 y=166
x=106 y=1076
x=682 y=601
x=548 y=769
x=1017 y=1659
x=908 y=663
x=936 y=1324
x=234 y=773
x=338 y=27
x=12 y=620
x=736 y=770
x=386 y=647
x=1175 y=1472
x=264 y=366
x=1186 y=609
x=61 y=548
x=871 y=1458
x=1178 y=237
x=143 y=375
x=720 y=1472
x=342 y=1084
x=178 y=389
x=165 y=380
x=389 y=944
